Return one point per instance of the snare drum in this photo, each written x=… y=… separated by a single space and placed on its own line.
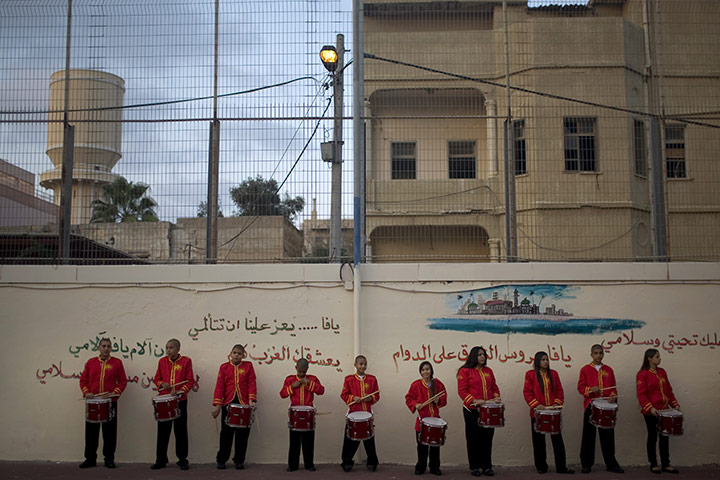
x=166 y=407
x=97 y=410
x=603 y=413
x=670 y=422
x=432 y=431
x=359 y=426
x=301 y=418
x=239 y=416
x=492 y=415
x=548 y=421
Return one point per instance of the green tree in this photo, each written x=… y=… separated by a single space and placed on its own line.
x=202 y=210
x=124 y=202
x=257 y=196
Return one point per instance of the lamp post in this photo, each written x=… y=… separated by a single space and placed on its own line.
x=332 y=58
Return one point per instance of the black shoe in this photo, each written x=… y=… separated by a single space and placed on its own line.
x=110 y=464
x=588 y=470
x=372 y=468
x=656 y=470
x=542 y=470
x=476 y=472
x=220 y=465
x=419 y=471
x=311 y=469
x=239 y=466
x=435 y=471
x=615 y=469
x=670 y=469
x=567 y=470
x=88 y=464
x=488 y=472
x=291 y=469
x=183 y=465
x=157 y=466
x=346 y=468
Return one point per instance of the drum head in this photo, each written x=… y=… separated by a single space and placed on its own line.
x=433 y=421
x=670 y=413
x=165 y=398
x=302 y=408
x=97 y=400
x=359 y=416
x=492 y=405
x=603 y=404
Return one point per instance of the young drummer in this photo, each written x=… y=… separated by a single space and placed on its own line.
x=420 y=392
x=174 y=375
x=597 y=380
x=103 y=376
x=235 y=384
x=543 y=389
x=476 y=386
x=360 y=392
x=301 y=388
x=655 y=393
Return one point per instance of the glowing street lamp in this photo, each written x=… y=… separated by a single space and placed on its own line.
x=329 y=57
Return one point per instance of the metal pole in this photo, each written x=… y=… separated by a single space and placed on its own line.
x=358 y=131
x=67 y=162
x=213 y=160
x=336 y=195
x=510 y=209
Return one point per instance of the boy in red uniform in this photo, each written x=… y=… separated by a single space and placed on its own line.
x=102 y=377
x=301 y=388
x=597 y=380
x=235 y=384
x=356 y=393
x=173 y=371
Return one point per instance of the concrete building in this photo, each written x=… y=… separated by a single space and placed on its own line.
x=583 y=175
x=19 y=205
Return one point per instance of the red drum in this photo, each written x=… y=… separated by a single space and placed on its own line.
x=301 y=418
x=603 y=413
x=97 y=410
x=432 y=431
x=359 y=426
x=670 y=422
x=492 y=415
x=239 y=416
x=548 y=421
x=166 y=407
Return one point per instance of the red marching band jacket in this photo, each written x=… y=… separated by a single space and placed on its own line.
x=590 y=377
x=235 y=380
x=354 y=386
x=476 y=383
x=418 y=393
x=654 y=390
x=304 y=394
x=103 y=377
x=173 y=373
x=548 y=396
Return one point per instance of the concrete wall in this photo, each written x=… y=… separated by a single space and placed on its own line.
x=52 y=317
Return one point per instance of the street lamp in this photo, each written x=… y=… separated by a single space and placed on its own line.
x=332 y=57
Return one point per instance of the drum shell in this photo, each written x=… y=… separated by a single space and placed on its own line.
x=670 y=422
x=165 y=408
x=239 y=416
x=98 y=410
x=359 y=427
x=603 y=415
x=548 y=421
x=433 y=431
x=301 y=418
x=491 y=415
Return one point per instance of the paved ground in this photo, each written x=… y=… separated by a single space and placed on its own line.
x=126 y=471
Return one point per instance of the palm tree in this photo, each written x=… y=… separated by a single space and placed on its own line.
x=124 y=202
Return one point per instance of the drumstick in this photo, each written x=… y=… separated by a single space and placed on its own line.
x=429 y=400
x=553 y=407
x=363 y=398
x=605 y=398
x=607 y=388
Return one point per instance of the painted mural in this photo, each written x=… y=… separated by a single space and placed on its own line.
x=538 y=309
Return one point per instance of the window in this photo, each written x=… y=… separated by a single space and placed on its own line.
x=403 y=161
x=579 y=144
x=640 y=148
x=675 y=151
x=519 y=152
x=461 y=159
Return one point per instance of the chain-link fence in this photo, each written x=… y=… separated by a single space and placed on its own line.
x=493 y=131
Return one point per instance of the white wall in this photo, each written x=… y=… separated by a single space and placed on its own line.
x=48 y=315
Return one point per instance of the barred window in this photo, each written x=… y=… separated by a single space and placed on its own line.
x=639 y=148
x=403 y=161
x=461 y=159
x=519 y=151
x=580 y=144
x=675 y=151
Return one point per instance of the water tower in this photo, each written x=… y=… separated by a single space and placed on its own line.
x=93 y=102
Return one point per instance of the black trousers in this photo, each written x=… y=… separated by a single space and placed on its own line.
x=587 y=447
x=227 y=434
x=306 y=440
x=422 y=453
x=478 y=440
x=109 y=434
x=350 y=447
x=651 y=422
x=539 y=452
x=181 y=437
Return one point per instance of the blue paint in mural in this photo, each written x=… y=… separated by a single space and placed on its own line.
x=539 y=309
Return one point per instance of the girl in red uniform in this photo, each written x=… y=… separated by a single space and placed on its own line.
x=421 y=391
x=655 y=393
x=476 y=386
x=543 y=389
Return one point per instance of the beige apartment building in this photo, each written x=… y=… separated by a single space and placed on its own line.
x=581 y=143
